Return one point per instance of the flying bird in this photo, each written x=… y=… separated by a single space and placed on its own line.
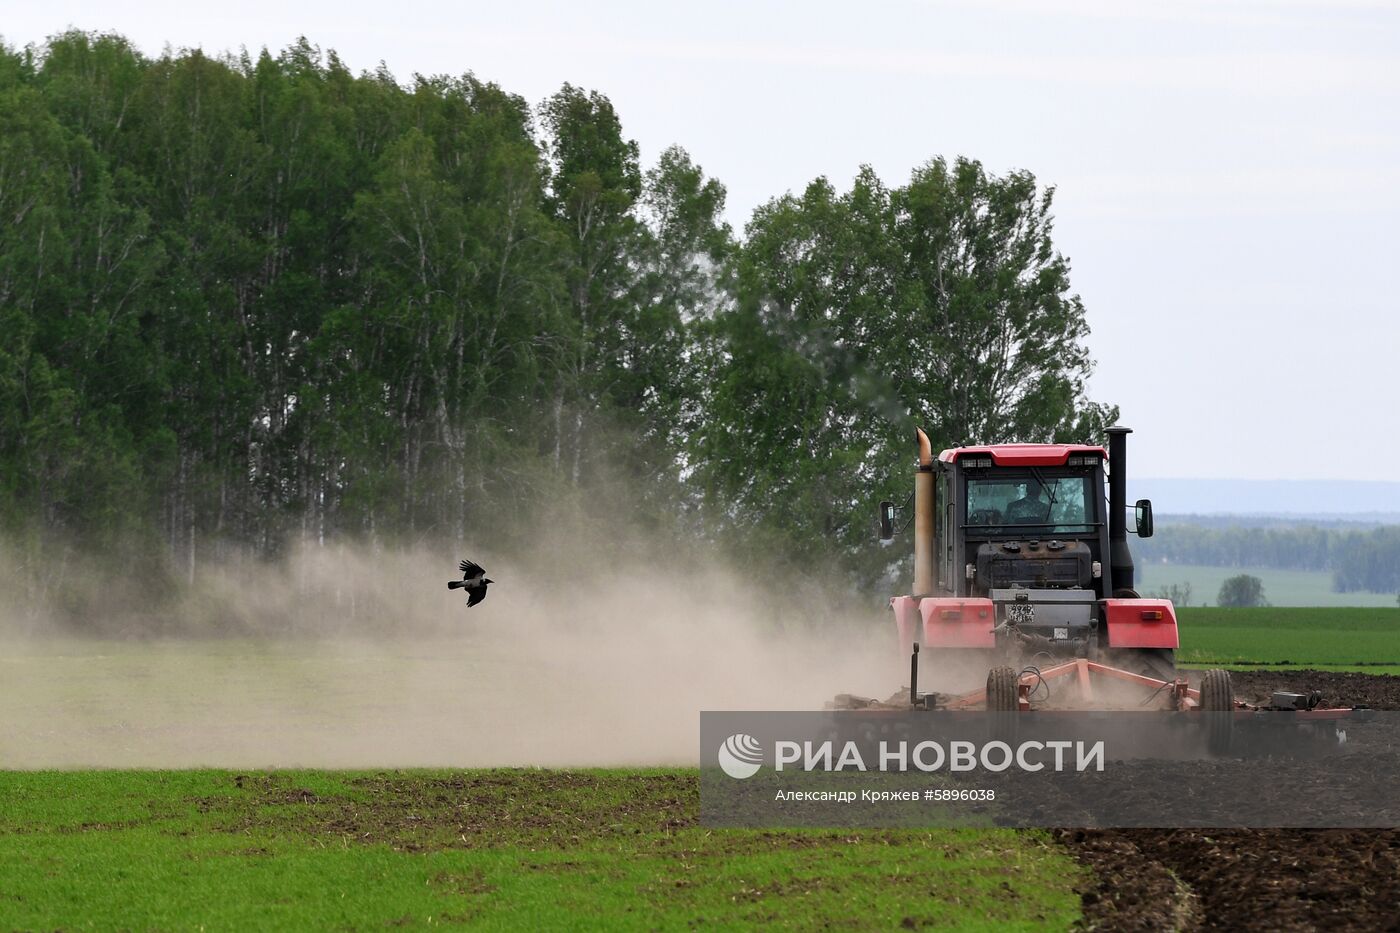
x=473 y=580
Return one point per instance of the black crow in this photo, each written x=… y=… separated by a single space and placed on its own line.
x=474 y=579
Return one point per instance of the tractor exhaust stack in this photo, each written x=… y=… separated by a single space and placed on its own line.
x=1120 y=558
x=924 y=511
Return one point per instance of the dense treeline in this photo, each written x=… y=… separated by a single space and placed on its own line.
x=249 y=298
x=1361 y=560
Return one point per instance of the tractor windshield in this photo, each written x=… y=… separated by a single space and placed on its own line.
x=1030 y=504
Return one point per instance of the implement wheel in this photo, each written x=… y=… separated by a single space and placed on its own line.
x=1218 y=704
x=1003 y=695
x=1003 y=703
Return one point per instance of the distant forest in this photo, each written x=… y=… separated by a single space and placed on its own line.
x=1360 y=559
x=251 y=298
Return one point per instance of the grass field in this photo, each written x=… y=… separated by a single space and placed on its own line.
x=497 y=849
x=1330 y=639
x=1281 y=587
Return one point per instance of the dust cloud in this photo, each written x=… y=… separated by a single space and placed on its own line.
x=585 y=653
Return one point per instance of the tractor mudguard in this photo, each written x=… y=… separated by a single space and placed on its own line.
x=1140 y=623
x=906 y=622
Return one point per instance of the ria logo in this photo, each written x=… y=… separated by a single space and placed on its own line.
x=740 y=756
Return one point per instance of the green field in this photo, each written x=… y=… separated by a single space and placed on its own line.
x=496 y=849
x=1281 y=587
x=1336 y=639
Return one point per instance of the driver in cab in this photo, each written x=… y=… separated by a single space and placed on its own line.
x=1030 y=509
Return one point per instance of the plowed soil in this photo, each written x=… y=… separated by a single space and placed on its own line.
x=1268 y=879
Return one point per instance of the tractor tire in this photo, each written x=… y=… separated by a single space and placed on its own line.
x=1158 y=663
x=1218 y=705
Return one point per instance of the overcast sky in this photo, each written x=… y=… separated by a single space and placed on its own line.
x=1227 y=173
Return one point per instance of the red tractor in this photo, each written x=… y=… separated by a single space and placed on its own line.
x=1021 y=562
x=1022 y=573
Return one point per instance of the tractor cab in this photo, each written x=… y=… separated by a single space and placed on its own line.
x=1022 y=549
x=1021 y=516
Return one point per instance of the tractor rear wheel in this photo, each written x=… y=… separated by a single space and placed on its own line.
x=1218 y=704
x=1158 y=663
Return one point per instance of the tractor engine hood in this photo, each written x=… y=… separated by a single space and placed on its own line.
x=1037 y=564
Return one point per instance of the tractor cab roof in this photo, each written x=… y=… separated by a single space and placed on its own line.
x=1024 y=455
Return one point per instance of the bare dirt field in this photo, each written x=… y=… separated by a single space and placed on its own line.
x=1238 y=879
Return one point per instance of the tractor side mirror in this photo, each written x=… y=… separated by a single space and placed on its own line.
x=886 y=522
x=1143 y=514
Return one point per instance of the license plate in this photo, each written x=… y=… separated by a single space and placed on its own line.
x=1020 y=613
x=1061 y=634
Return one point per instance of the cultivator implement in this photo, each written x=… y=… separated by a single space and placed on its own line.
x=1079 y=684
x=1009 y=690
x=1079 y=674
